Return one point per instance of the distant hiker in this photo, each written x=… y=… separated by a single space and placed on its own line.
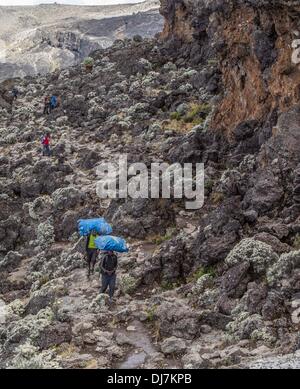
x=47 y=104
x=53 y=102
x=91 y=252
x=109 y=264
x=46 y=145
x=58 y=104
x=15 y=93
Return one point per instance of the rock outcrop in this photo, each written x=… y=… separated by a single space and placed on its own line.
x=254 y=43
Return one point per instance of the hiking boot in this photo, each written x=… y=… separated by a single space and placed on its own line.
x=110 y=304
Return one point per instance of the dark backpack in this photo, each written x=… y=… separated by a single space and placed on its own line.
x=109 y=261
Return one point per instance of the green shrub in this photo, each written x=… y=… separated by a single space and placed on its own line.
x=44 y=279
x=217 y=197
x=201 y=271
x=162 y=238
x=168 y=285
x=88 y=61
x=212 y=61
x=175 y=116
x=151 y=313
x=197 y=113
x=127 y=284
x=208 y=184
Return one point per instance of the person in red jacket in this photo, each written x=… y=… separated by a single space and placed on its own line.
x=46 y=145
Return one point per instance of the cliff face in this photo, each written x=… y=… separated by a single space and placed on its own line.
x=256 y=46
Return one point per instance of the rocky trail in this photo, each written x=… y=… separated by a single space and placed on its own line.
x=218 y=287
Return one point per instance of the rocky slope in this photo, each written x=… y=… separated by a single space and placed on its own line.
x=47 y=37
x=213 y=288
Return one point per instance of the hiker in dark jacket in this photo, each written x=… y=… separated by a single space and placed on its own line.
x=91 y=252
x=47 y=105
x=109 y=264
x=15 y=93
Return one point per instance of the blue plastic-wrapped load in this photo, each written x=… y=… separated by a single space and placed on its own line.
x=86 y=226
x=111 y=243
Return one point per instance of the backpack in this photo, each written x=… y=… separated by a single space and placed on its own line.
x=109 y=261
x=54 y=101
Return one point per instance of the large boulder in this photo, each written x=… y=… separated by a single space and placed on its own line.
x=173 y=345
x=141 y=217
x=45 y=296
x=54 y=335
x=177 y=319
x=10 y=261
x=265 y=193
x=219 y=232
x=233 y=279
x=66 y=198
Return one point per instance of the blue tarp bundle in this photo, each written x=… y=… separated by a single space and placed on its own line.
x=111 y=243
x=100 y=225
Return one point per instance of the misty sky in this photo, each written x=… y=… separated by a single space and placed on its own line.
x=83 y=2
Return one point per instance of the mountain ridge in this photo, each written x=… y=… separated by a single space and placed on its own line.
x=42 y=38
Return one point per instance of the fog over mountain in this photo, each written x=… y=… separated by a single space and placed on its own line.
x=42 y=38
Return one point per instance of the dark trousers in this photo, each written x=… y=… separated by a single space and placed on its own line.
x=91 y=259
x=47 y=109
x=46 y=150
x=108 y=281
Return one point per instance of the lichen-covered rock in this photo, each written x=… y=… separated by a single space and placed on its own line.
x=29 y=357
x=259 y=255
x=45 y=234
x=16 y=307
x=29 y=328
x=127 y=283
x=66 y=198
x=10 y=261
x=41 y=207
x=173 y=345
x=55 y=334
x=45 y=296
x=203 y=282
x=289 y=361
x=244 y=325
x=283 y=268
x=193 y=360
